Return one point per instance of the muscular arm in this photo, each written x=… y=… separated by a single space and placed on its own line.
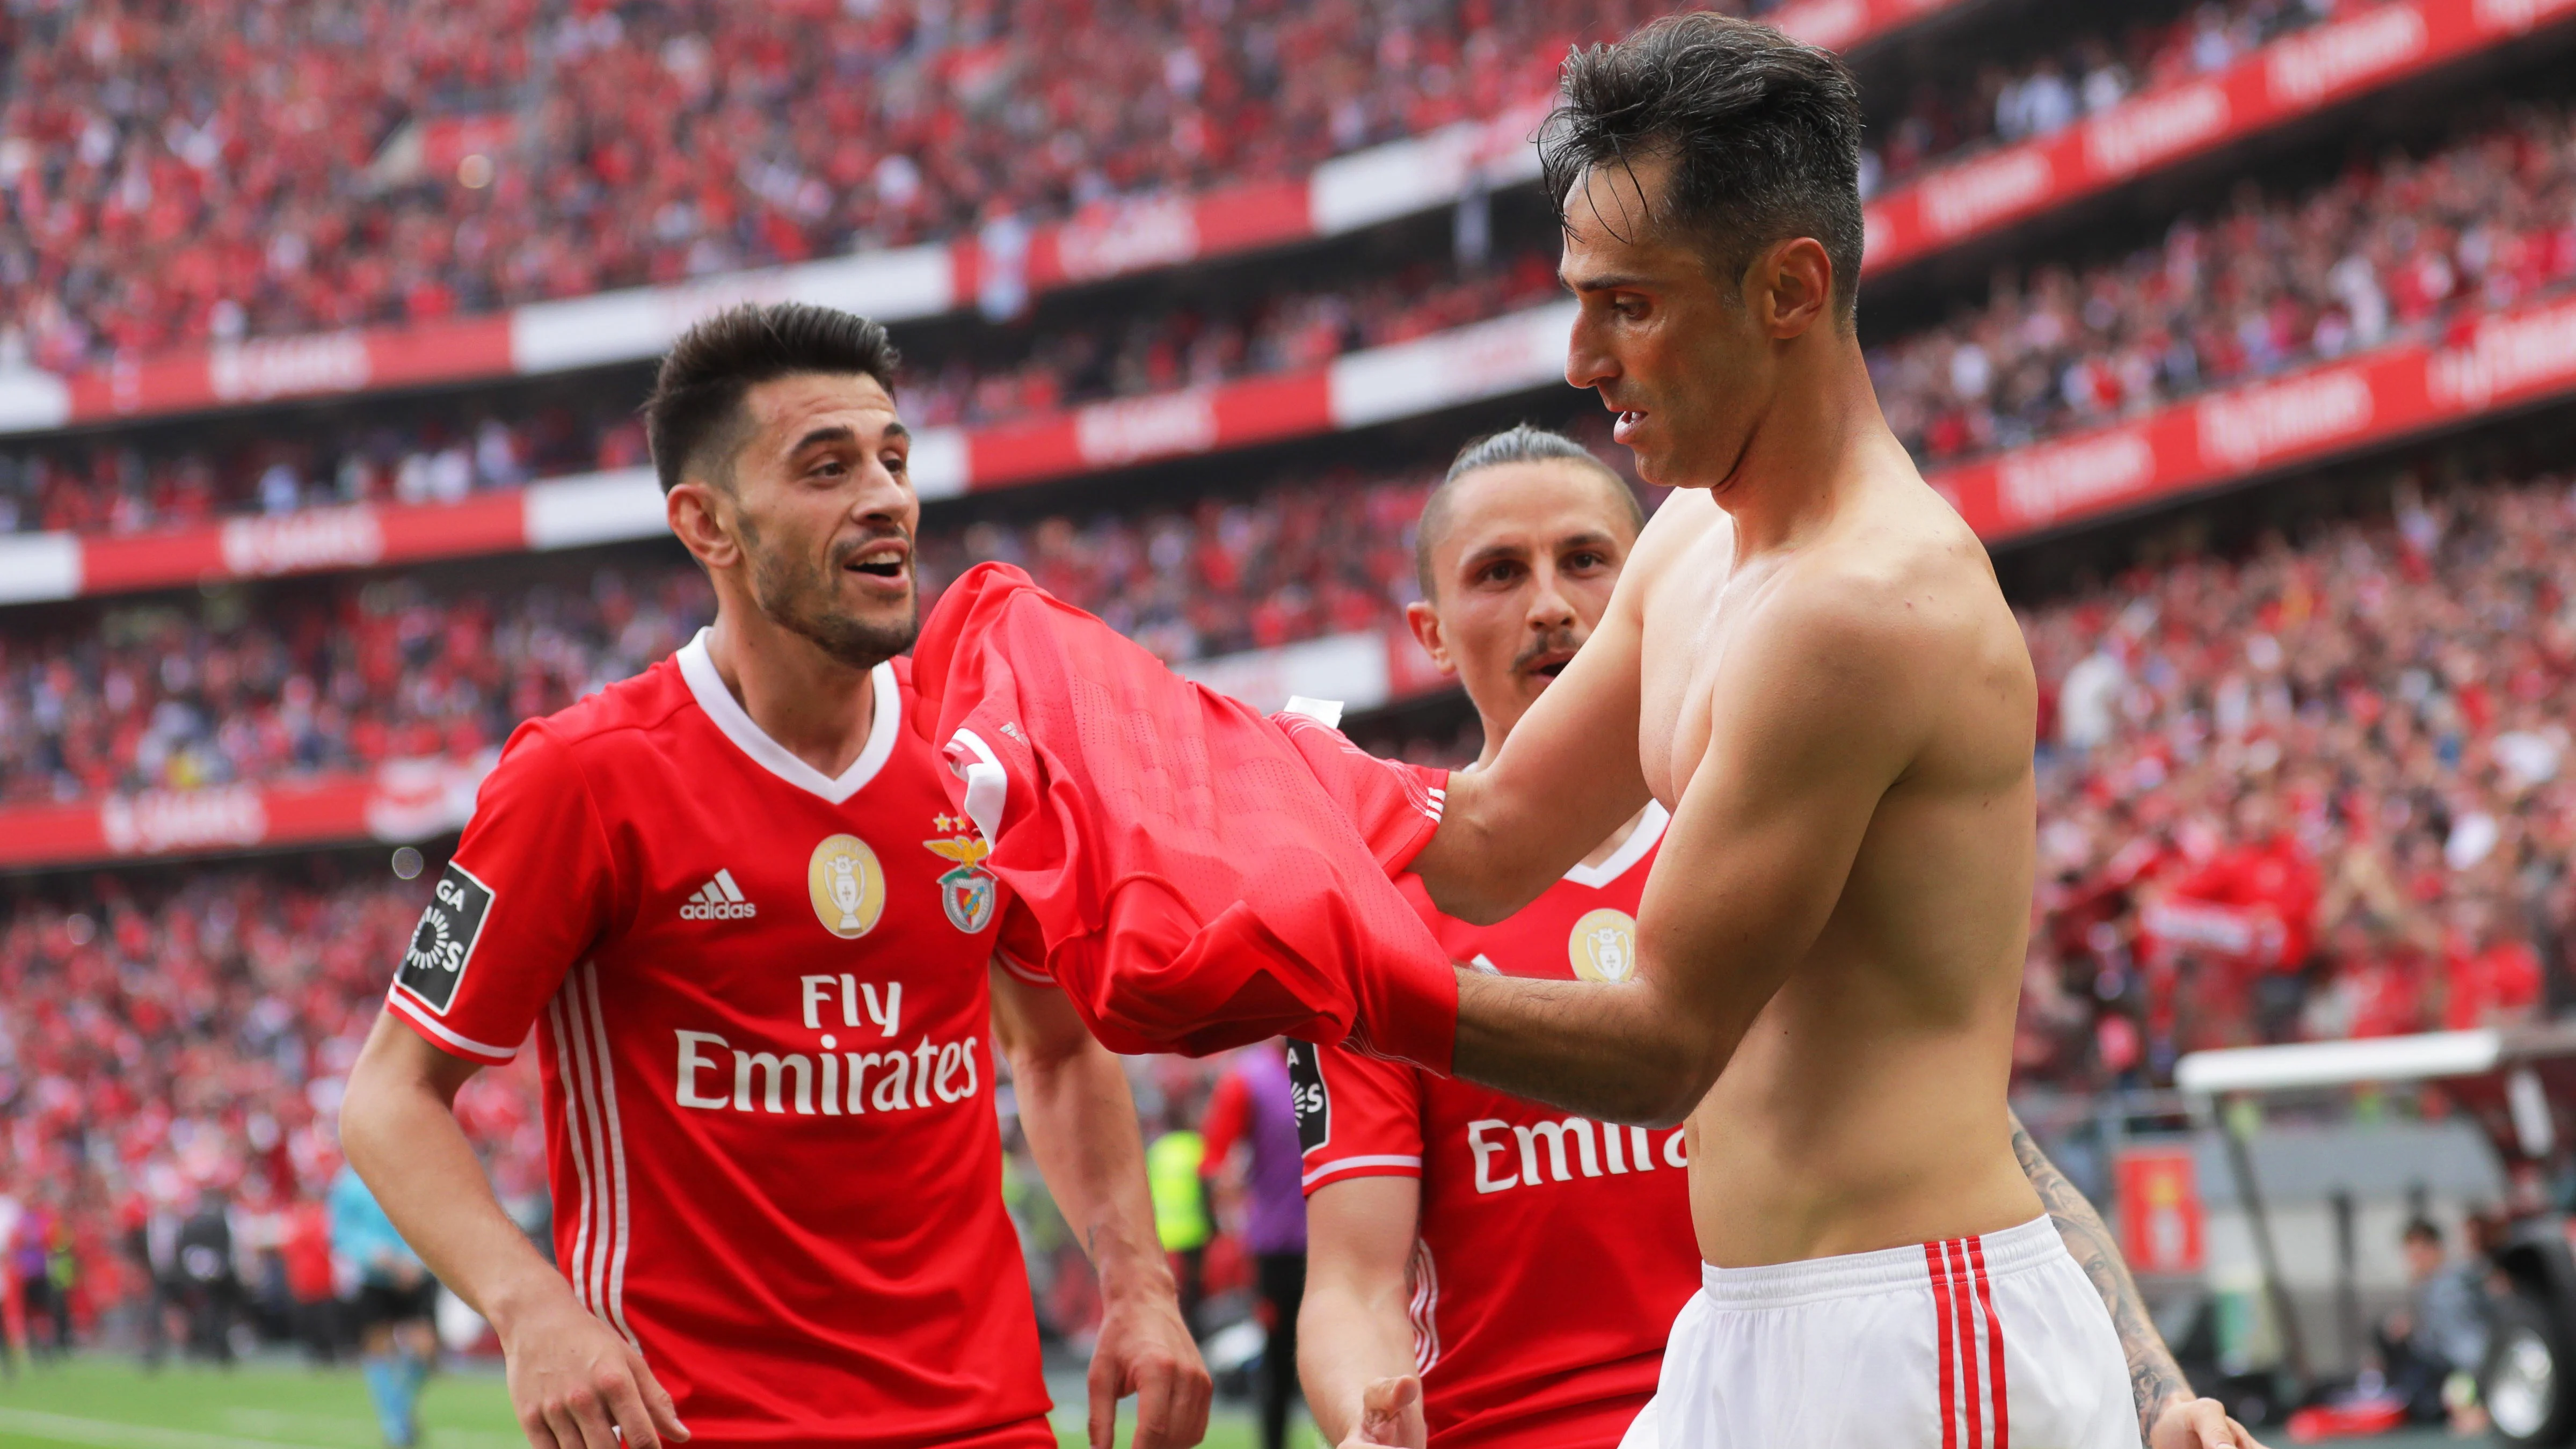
x=2168 y=1411
x=1081 y=1124
x=1354 y=1330
x=1813 y=714
x=570 y=1375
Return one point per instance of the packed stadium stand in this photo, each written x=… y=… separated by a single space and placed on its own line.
x=319 y=470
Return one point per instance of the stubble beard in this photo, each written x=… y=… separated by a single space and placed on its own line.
x=801 y=600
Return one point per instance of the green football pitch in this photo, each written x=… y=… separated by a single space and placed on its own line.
x=112 y=1404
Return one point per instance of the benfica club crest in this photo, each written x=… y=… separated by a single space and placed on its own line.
x=969 y=892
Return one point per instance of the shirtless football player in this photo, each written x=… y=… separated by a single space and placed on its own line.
x=1831 y=697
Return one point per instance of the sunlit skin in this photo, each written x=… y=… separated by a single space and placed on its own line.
x=1828 y=692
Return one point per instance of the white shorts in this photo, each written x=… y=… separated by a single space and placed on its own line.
x=1997 y=1342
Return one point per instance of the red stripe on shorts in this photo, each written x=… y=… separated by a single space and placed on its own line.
x=1994 y=1340
x=1960 y=1293
x=1936 y=1258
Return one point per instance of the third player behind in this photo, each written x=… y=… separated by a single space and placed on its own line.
x=1424 y=1192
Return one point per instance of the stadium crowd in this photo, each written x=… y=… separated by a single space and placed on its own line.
x=2042 y=92
x=2322 y=791
x=111 y=486
x=2400 y=247
x=349 y=673
x=170 y=1066
x=179 y=174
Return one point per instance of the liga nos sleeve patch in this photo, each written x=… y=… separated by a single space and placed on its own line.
x=443 y=942
x=1306 y=1089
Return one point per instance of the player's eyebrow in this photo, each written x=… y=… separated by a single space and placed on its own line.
x=1609 y=282
x=843 y=433
x=1491 y=553
x=1588 y=538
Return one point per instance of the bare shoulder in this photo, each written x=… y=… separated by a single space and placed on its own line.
x=1904 y=598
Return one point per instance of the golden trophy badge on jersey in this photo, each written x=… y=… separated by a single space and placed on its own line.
x=848 y=886
x=1603 y=945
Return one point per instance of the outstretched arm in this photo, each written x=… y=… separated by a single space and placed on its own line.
x=2170 y=1415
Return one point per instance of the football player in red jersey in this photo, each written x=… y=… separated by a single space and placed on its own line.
x=763 y=965
x=1420 y=1186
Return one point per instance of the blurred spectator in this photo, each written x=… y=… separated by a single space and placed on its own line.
x=2441 y=1333
x=1253 y=1108
x=396 y=1305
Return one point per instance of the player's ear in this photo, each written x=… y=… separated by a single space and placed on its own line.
x=1425 y=623
x=701 y=522
x=1793 y=283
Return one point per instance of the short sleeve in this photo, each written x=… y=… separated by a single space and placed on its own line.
x=1357 y=1116
x=524 y=898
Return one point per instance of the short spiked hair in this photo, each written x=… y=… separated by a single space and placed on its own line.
x=1763 y=133
x=696 y=406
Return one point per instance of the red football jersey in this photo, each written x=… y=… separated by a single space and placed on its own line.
x=1554 y=1251
x=762 y=1008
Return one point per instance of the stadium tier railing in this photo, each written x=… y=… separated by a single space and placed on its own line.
x=2487 y=362
x=2293 y=76
x=996 y=268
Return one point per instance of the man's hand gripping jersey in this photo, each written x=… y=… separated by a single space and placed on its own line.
x=1203 y=876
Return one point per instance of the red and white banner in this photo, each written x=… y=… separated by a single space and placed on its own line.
x=1107 y=240
x=1508 y=354
x=2500 y=361
x=399 y=801
x=2291 y=77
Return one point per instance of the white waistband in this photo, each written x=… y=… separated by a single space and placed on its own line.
x=1773 y=1285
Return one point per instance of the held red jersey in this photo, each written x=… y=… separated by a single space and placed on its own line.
x=1554 y=1251
x=761 y=1004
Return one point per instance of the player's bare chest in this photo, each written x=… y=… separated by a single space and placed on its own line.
x=1694 y=613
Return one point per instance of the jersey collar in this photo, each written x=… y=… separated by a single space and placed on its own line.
x=1650 y=828
x=709 y=689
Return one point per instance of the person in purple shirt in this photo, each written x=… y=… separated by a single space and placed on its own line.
x=1253 y=1106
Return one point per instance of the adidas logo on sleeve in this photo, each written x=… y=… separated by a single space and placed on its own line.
x=718 y=900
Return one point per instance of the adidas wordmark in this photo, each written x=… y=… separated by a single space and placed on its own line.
x=718 y=900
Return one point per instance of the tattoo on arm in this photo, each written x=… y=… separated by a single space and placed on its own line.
x=2154 y=1378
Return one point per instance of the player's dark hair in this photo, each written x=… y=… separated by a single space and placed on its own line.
x=1763 y=134
x=2422 y=1230
x=1524 y=443
x=696 y=406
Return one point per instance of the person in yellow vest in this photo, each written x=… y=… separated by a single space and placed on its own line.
x=1172 y=1163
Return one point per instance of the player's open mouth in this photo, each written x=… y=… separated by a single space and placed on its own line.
x=887 y=561
x=1550 y=665
x=1627 y=424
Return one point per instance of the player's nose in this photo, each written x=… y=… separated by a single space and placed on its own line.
x=1549 y=609
x=1587 y=361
